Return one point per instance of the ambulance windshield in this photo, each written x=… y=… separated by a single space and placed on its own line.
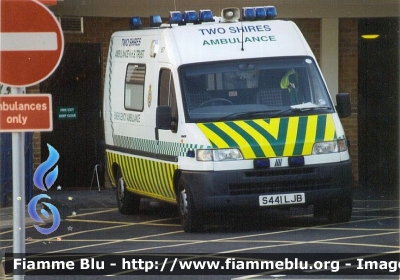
x=247 y=89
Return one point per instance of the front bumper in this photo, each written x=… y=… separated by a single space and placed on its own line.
x=224 y=190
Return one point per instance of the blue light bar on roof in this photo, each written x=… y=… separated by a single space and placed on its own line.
x=191 y=17
x=135 y=23
x=175 y=17
x=258 y=13
x=261 y=13
x=206 y=16
x=271 y=12
x=155 y=21
x=248 y=13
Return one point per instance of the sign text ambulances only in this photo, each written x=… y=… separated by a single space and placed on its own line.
x=30 y=112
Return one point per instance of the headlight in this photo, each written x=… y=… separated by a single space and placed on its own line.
x=219 y=155
x=227 y=154
x=204 y=155
x=329 y=147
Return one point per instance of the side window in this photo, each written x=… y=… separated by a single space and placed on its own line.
x=167 y=96
x=134 y=86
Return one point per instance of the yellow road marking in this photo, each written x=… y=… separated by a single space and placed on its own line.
x=93 y=213
x=120 y=223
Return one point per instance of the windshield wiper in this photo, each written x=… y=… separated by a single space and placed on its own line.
x=309 y=109
x=246 y=114
x=294 y=108
x=308 y=106
x=302 y=108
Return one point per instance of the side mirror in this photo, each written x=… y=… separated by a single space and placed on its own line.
x=163 y=117
x=343 y=105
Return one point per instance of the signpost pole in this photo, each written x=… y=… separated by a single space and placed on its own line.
x=32 y=45
x=18 y=177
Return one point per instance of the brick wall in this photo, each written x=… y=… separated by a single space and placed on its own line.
x=348 y=82
x=348 y=71
x=99 y=30
x=311 y=29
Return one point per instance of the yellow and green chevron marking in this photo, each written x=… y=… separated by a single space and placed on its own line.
x=271 y=137
x=148 y=177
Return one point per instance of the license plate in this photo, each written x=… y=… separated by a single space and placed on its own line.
x=282 y=199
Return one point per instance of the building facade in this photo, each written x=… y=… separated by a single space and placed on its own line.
x=333 y=30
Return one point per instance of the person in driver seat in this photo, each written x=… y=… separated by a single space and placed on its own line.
x=290 y=82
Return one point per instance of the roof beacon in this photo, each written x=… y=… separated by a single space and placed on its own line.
x=191 y=17
x=261 y=13
x=175 y=17
x=155 y=21
x=135 y=23
x=271 y=12
x=248 y=13
x=206 y=16
x=258 y=13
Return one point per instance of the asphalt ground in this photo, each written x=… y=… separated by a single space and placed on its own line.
x=97 y=227
x=69 y=201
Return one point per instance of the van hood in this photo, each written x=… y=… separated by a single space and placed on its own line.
x=275 y=137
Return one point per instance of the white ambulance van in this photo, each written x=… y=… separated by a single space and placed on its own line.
x=223 y=113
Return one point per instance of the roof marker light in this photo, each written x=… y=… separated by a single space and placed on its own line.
x=271 y=12
x=191 y=17
x=135 y=22
x=206 y=16
x=248 y=13
x=155 y=21
x=175 y=17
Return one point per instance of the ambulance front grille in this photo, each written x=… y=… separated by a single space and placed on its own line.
x=281 y=186
x=280 y=172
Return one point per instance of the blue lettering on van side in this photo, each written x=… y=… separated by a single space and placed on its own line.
x=235 y=29
x=131 y=42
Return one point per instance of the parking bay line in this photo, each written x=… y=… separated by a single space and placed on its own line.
x=54 y=239
x=280 y=271
x=243 y=237
x=112 y=242
x=192 y=243
x=152 y=223
x=254 y=248
x=220 y=239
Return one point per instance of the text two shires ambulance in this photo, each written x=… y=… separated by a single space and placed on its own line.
x=223 y=114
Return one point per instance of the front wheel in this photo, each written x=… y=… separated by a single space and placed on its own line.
x=340 y=210
x=128 y=203
x=191 y=219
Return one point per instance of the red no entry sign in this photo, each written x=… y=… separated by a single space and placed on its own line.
x=31 y=45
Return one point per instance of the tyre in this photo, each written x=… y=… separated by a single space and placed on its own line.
x=320 y=211
x=128 y=203
x=191 y=219
x=340 y=210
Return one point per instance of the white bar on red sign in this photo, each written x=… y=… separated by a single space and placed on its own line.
x=28 y=41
